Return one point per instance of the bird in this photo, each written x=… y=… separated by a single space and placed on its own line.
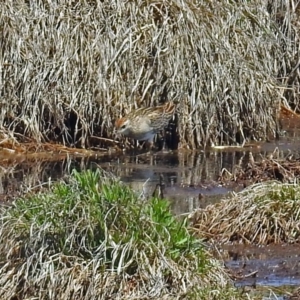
x=144 y=123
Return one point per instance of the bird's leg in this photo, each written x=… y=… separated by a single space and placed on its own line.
x=151 y=145
x=149 y=148
x=164 y=147
x=140 y=145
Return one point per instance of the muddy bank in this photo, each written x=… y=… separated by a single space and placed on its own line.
x=269 y=265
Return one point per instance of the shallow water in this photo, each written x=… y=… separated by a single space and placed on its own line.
x=190 y=178
x=276 y=265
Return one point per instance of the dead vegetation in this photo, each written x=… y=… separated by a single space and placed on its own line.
x=266 y=212
x=261 y=214
x=272 y=167
x=19 y=148
x=68 y=71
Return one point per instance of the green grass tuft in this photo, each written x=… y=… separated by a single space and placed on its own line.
x=93 y=235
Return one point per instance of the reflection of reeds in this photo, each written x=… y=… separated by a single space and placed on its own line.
x=182 y=169
x=29 y=176
x=68 y=73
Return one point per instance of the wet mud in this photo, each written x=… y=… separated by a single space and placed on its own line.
x=270 y=265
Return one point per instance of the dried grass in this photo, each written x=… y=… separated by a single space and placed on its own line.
x=276 y=166
x=68 y=71
x=261 y=214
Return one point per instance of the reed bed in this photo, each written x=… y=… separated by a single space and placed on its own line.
x=91 y=237
x=68 y=71
x=263 y=213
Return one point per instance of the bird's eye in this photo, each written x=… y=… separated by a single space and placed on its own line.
x=123 y=126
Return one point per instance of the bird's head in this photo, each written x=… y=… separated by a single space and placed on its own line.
x=122 y=126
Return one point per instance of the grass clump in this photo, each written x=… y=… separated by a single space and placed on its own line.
x=92 y=238
x=263 y=213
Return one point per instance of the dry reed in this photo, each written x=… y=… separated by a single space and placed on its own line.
x=261 y=214
x=68 y=71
